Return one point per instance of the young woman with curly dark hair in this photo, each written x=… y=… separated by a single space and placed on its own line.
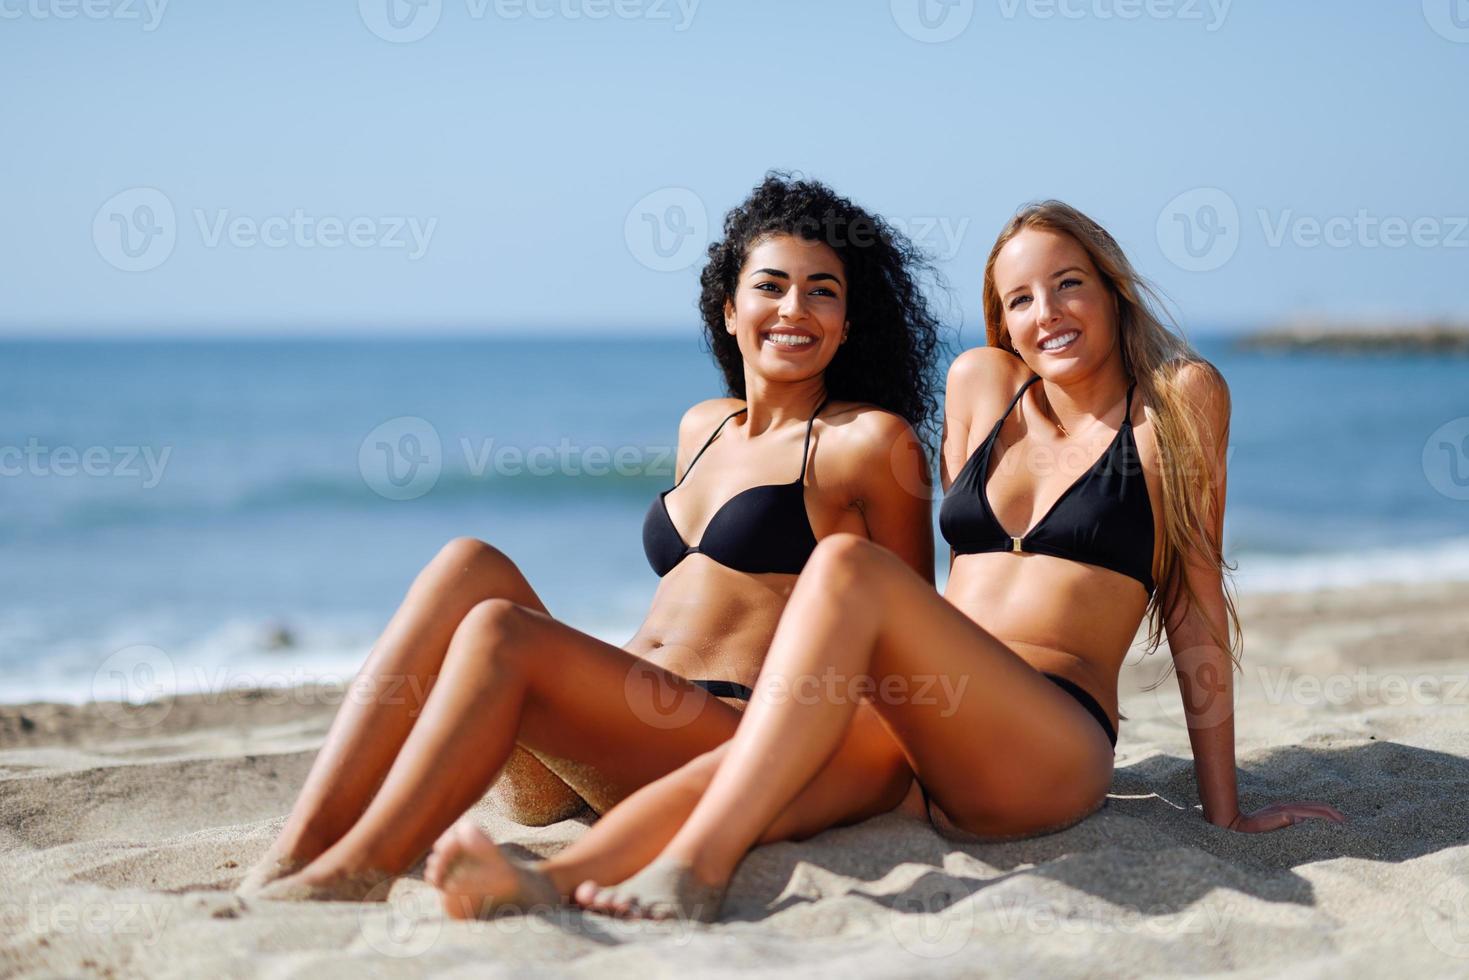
x=814 y=311
x=1084 y=465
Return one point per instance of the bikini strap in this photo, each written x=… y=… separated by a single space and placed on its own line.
x=706 y=445
x=1015 y=401
x=806 y=448
x=1127 y=413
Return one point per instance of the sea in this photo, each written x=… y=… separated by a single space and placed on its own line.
x=208 y=515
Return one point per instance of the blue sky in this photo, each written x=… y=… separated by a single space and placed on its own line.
x=329 y=172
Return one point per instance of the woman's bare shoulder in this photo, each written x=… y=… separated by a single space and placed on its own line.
x=1201 y=384
x=981 y=376
x=871 y=452
x=864 y=422
x=858 y=436
x=980 y=367
x=707 y=414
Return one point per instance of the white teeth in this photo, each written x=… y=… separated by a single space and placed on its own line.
x=790 y=339
x=1060 y=341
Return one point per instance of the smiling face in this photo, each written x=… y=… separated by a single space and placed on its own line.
x=789 y=309
x=1058 y=311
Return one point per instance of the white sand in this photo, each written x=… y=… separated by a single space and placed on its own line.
x=122 y=833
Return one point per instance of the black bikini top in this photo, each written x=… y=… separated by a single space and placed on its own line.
x=762 y=529
x=1104 y=518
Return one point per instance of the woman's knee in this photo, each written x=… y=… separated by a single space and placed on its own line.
x=844 y=557
x=689 y=781
x=498 y=630
x=467 y=555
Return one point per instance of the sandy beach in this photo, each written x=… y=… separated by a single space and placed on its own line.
x=124 y=829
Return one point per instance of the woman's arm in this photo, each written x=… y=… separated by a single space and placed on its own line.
x=892 y=488
x=980 y=377
x=957 y=414
x=1205 y=670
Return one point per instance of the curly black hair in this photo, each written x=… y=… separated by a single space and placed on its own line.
x=889 y=357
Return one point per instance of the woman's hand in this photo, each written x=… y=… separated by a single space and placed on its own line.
x=1278 y=815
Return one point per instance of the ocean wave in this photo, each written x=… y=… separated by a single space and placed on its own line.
x=1442 y=561
x=237 y=655
x=84 y=512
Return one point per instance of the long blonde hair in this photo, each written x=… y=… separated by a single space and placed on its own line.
x=1154 y=356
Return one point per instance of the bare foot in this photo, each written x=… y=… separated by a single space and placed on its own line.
x=315 y=886
x=288 y=853
x=665 y=889
x=271 y=867
x=476 y=879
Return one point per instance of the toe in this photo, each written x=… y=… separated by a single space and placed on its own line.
x=436 y=872
x=474 y=840
x=606 y=901
x=439 y=865
x=585 y=894
x=447 y=837
x=460 y=907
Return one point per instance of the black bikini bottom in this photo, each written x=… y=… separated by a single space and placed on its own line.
x=727 y=689
x=1086 y=701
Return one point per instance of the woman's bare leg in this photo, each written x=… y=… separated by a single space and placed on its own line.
x=858 y=611
x=867 y=776
x=385 y=698
x=510 y=672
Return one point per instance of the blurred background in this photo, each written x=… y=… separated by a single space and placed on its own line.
x=293 y=296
